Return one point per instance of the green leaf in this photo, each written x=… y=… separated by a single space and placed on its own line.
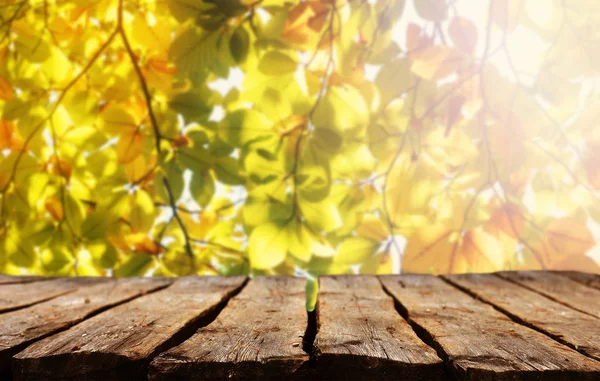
x=267 y=246
x=277 y=63
x=103 y=253
x=74 y=213
x=243 y=126
x=355 y=250
x=134 y=265
x=239 y=44
x=185 y=9
x=312 y=290
x=191 y=105
x=202 y=187
x=174 y=175
x=227 y=170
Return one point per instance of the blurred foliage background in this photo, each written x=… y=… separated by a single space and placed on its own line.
x=177 y=137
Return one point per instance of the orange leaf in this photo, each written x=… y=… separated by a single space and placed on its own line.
x=6 y=90
x=9 y=136
x=55 y=208
x=567 y=236
x=60 y=167
x=463 y=33
x=161 y=65
x=130 y=146
x=140 y=243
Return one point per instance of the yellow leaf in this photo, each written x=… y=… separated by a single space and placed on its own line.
x=373 y=227
x=428 y=250
x=141 y=214
x=267 y=246
x=300 y=241
x=116 y=119
x=433 y=63
x=355 y=250
x=277 y=63
x=130 y=146
x=483 y=252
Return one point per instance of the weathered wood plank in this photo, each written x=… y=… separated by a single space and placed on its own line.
x=591 y=280
x=14 y=296
x=22 y=327
x=11 y=279
x=578 y=330
x=479 y=342
x=361 y=335
x=559 y=288
x=257 y=336
x=119 y=343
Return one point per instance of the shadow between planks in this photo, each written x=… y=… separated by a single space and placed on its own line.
x=505 y=326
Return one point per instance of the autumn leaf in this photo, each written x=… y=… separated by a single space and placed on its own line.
x=6 y=90
x=130 y=146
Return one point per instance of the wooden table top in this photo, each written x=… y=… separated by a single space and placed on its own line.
x=503 y=326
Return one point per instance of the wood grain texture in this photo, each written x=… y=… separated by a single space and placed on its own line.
x=11 y=279
x=15 y=296
x=119 y=343
x=560 y=288
x=22 y=327
x=361 y=335
x=591 y=280
x=578 y=330
x=480 y=343
x=257 y=336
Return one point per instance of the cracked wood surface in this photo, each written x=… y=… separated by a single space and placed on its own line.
x=18 y=295
x=480 y=343
x=22 y=327
x=506 y=326
x=592 y=280
x=257 y=336
x=119 y=343
x=360 y=334
x=560 y=288
x=576 y=329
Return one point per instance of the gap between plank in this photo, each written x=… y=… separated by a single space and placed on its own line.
x=24 y=345
x=425 y=336
x=513 y=317
x=579 y=280
x=190 y=329
x=67 y=292
x=308 y=341
x=546 y=295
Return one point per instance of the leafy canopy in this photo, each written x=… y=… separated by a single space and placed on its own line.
x=180 y=137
